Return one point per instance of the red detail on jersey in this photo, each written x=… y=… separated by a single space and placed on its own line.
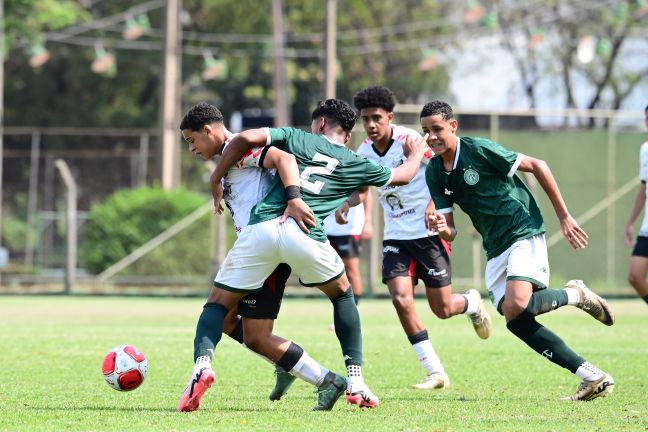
x=411 y=269
x=130 y=380
x=108 y=365
x=446 y=245
x=428 y=153
x=133 y=352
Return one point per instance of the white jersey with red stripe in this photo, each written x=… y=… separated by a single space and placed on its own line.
x=404 y=206
x=244 y=185
x=643 y=174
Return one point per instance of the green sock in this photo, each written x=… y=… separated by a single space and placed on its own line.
x=546 y=300
x=347 y=327
x=209 y=330
x=544 y=341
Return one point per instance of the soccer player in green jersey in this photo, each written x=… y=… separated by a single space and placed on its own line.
x=480 y=177
x=329 y=173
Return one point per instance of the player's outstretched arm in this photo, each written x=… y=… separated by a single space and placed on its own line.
x=287 y=168
x=574 y=234
x=414 y=147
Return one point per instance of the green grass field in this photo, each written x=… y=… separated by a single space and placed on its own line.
x=52 y=349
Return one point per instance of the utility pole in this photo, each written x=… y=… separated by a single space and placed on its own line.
x=3 y=252
x=170 y=97
x=282 y=113
x=331 y=49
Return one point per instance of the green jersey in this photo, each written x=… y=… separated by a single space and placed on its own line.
x=483 y=184
x=329 y=174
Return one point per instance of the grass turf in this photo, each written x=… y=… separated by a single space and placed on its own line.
x=52 y=349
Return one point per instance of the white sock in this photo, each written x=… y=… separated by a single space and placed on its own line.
x=472 y=306
x=203 y=361
x=309 y=370
x=573 y=296
x=354 y=374
x=428 y=357
x=587 y=371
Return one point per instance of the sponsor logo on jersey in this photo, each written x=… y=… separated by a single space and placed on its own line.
x=447 y=192
x=471 y=177
x=246 y=301
x=392 y=249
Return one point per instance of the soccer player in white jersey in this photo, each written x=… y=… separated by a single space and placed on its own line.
x=410 y=251
x=329 y=174
x=479 y=176
x=245 y=184
x=639 y=260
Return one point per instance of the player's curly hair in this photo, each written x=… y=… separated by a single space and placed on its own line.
x=437 y=107
x=200 y=115
x=337 y=112
x=375 y=97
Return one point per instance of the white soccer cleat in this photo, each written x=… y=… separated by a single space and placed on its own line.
x=592 y=303
x=481 y=319
x=434 y=381
x=589 y=390
x=359 y=394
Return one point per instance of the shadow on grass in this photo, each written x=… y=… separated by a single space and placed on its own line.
x=97 y=408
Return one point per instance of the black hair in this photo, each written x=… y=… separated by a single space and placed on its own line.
x=646 y=109
x=337 y=112
x=375 y=97
x=200 y=115
x=437 y=107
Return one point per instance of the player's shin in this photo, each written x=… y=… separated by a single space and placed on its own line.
x=209 y=330
x=544 y=341
x=347 y=327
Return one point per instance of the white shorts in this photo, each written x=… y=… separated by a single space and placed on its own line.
x=524 y=260
x=261 y=247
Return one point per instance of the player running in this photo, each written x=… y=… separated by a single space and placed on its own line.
x=410 y=251
x=480 y=177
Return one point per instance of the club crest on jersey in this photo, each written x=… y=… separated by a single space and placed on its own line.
x=471 y=177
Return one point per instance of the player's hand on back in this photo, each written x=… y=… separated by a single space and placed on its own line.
x=300 y=212
x=574 y=234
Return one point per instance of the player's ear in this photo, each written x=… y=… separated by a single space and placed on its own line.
x=454 y=124
x=390 y=116
x=322 y=124
x=347 y=138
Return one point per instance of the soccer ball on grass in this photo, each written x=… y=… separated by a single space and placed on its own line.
x=124 y=368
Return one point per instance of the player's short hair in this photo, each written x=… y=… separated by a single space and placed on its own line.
x=337 y=112
x=646 y=109
x=200 y=115
x=437 y=107
x=375 y=97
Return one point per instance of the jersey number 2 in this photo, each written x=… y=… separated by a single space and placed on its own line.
x=316 y=186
